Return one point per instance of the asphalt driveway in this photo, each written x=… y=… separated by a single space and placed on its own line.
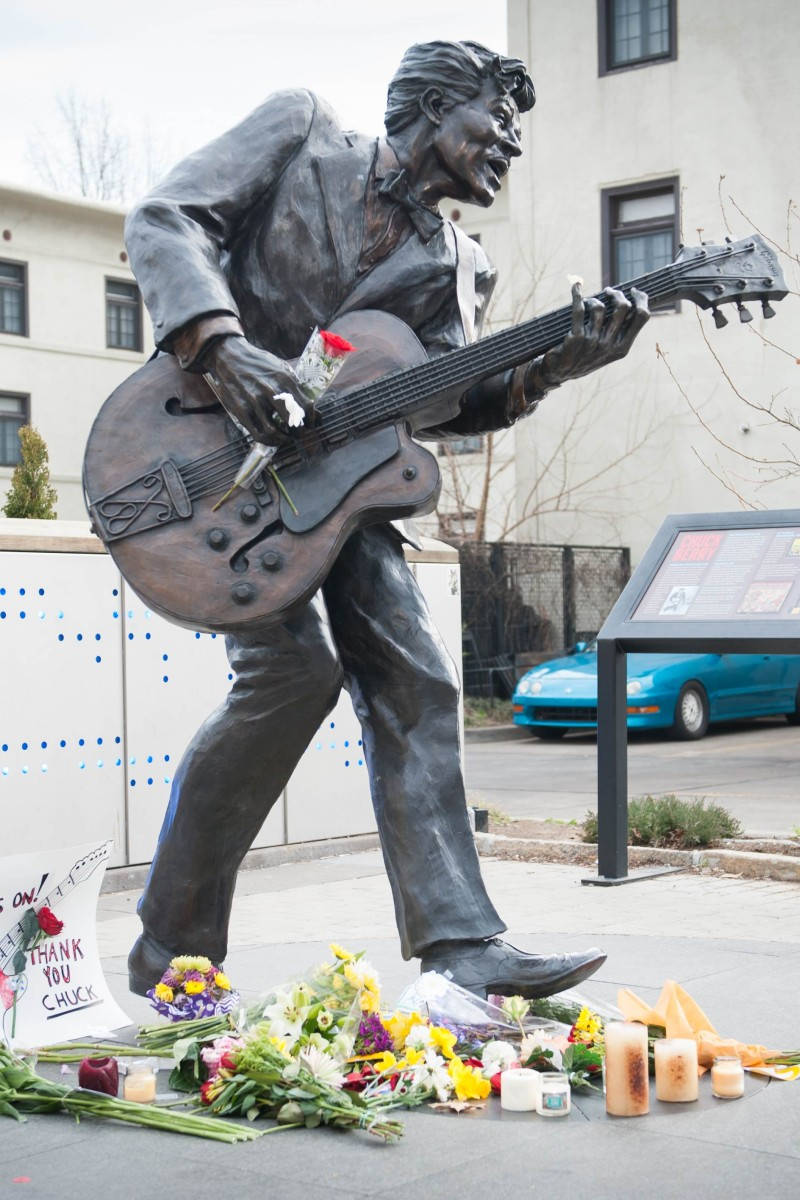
x=752 y=768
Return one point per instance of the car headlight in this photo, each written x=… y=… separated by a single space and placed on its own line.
x=535 y=688
x=634 y=687
x=523 y=687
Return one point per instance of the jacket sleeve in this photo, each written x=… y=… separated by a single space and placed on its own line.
x=177 y=235
x=496 y=402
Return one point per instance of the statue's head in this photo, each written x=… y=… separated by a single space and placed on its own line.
x=467 y=100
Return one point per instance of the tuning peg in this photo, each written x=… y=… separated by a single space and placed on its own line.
x=744 y=313
x=720 y=320
x=767 y=309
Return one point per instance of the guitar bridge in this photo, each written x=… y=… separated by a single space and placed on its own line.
x=147 y=502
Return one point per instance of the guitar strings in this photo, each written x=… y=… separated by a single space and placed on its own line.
x=377 y=400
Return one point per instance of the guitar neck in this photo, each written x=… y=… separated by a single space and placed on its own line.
x=400 y=395
x=12 y=941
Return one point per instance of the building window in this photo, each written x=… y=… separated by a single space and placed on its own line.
x=13 y=415
x=466 y=445
x=640 y=231
x=634 y=33
x=123 y=315
x=13 y=305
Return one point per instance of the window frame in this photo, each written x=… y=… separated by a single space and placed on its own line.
x=26 y=418
x=15 y=262
x=111 y=280
x=610 y=196
x=604 y=29
x=460 y=445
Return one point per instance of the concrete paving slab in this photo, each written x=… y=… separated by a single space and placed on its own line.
x=732 y=943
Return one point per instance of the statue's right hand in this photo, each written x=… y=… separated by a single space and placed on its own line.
x=250 y=381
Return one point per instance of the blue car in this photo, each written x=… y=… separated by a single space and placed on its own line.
x=679 y=692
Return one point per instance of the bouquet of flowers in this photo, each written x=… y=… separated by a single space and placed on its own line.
x=191 y=988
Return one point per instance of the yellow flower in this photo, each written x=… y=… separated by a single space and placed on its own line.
x=370 y=1001
x=164 y=993
x=588 y=1026
x=468 y=1084
x=278 y=1043
x=188 y=962
x=193 y=987
x=222 y=981
x=399 y=1025
x=413 y=1057
x=385 y=1061
x=360 y=975
x=443 y=1040
x=339 y=952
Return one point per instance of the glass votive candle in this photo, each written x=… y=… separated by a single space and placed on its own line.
x=554 y=1098
x=99 y=1075
x=519 y=1089
x=676 y=1069
x=140 y=1081
x=727 y=1077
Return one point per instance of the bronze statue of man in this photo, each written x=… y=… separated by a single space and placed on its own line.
x=283 y=224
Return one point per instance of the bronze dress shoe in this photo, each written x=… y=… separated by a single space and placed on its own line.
x=493 y=966
x=147 y=962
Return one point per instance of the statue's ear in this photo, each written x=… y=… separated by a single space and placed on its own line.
x=432 y=104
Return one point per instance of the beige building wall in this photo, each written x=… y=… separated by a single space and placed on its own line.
x=69 y=247
x=605 y=458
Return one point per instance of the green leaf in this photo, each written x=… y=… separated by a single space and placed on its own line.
x=8 y=1110
x=20 y=962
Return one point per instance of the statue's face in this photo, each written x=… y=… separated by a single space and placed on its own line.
x=475 y=142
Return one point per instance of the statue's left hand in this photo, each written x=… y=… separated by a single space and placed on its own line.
x=596 y=337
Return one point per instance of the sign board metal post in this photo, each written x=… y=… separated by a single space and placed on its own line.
x=710 y=583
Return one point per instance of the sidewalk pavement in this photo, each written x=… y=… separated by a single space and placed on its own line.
x=732 y=943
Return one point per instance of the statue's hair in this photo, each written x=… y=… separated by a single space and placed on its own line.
x=459 y=69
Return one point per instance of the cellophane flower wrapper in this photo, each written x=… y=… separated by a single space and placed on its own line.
x=191 y=988
x=319 y=364
x=471 y=1018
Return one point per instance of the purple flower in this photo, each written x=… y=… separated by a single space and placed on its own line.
x=373 y=1036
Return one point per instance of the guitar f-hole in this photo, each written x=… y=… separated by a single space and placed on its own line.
x=239 y=561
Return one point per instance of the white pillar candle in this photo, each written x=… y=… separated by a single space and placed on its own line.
x=727 y=1077
x=627 y=1080
x=676 y=1069
x=520 y=1089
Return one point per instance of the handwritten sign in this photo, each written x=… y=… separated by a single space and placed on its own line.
x=52 y=987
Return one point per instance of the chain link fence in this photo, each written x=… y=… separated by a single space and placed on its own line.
x=521 y=603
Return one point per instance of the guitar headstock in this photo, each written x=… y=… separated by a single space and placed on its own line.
x=84 y=867
x=731 y=273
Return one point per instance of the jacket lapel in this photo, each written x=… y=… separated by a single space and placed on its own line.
x=342 y=178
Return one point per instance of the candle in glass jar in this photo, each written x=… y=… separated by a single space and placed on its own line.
x=727 y=1077
x=554 y=1097
x=676 y=1069
x=520 y=1089
x=627 y=1080
x=140 y=1083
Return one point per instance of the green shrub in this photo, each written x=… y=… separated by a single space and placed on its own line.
x=31 y=494
x=673 y=822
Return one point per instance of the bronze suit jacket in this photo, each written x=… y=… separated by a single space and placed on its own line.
x=267 y=223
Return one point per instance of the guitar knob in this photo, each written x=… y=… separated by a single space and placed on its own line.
x=217 y=539
x=249 y=513
x=744 y=313
x=243 y=593
x=271 y=561
x=767 y=309
x=720 y=320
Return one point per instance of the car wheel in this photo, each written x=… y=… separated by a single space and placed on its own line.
x=794 y=717
x=549 y=733
x=691 y=712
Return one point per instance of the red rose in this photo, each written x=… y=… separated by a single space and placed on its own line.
x=334 y=344
x=228 y=1061
x=206 y=1094
x=49 y=922
x=495 y=1082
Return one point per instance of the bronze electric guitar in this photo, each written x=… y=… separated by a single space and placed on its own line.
x=162 y=452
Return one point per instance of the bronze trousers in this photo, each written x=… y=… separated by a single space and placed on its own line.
x=374 y=634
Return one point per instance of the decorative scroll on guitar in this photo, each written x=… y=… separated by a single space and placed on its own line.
x=162 y=451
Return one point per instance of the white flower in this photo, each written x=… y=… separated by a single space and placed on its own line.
x=530 y=1043
x=321 y=1066
x=286 y=1017
x=432 y=1075
x=418 y=1037
x=498 y=1056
